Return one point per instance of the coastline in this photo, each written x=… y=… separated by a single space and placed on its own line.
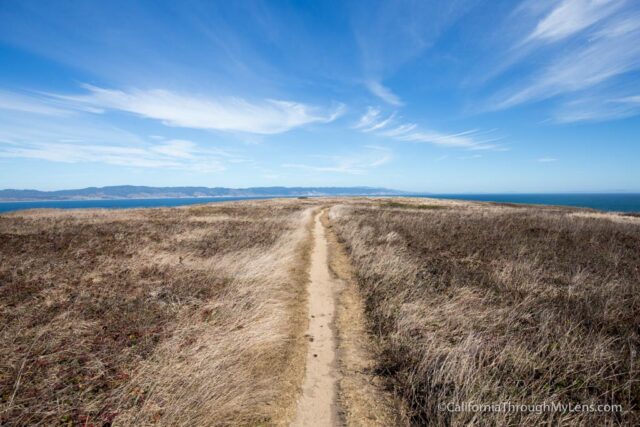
x=604 y=202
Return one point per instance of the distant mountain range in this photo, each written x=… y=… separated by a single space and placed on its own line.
x=141 y=192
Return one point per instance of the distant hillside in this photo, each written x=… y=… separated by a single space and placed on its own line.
x=141 y=192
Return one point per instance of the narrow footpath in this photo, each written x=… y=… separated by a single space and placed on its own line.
x=317 y=403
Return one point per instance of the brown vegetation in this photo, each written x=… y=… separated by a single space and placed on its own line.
x=188 y=316
x=410 y=205
x=363 y=401
x=196 y=315
x=487 y=304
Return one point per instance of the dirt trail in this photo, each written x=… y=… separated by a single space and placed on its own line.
x=317 y=404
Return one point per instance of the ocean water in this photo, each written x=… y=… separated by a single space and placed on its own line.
x=604 y=202
x=117 y=204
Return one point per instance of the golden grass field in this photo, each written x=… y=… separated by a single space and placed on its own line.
x=476 y=302
x=179 y=316
x=196 y=315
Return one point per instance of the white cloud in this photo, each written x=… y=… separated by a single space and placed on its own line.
x=632 y=100
x=119 y=156
x=607 y=52
x=573 y=16
x=223 y=114
x=162 y=156
x=368 y=118
x=391 y=33
x=547 y=160
x=357 y=164
x=70 y=140
x=462 y=139
x=399 y=130
x=383 y=93
x=380 y=124
x=30 y=104
x=18 y=128
x=341 y=168
x=595 y=108
x=176 y=148
x=410 y=132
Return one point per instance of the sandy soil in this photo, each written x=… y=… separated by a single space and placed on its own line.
x=317 y=403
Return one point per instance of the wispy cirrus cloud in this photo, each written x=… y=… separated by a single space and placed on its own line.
x=384 y=93
x=633 y=100
x=371 y=157
x=595 y=46
x=547 y=160
x=20 y=102
x=371 y=121
x=611 y=52
x=198 y=112
x=75 y=139
x=182 y=155
x=595 y=108
x=389 y=126
x=572 y=16
x=390 y=34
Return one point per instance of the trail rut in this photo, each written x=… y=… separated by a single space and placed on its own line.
x=317 y=403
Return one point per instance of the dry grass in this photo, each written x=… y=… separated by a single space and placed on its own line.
x=483 y=303
x=196 y=315
x=410 y=205
x=188 y=316
x=361 y=395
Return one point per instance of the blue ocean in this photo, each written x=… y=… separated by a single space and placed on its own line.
x=117 y=204
x=621 y=202
x=605 y=202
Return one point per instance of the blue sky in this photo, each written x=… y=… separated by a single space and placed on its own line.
x=437 y=96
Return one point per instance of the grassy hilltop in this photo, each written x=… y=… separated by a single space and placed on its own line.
x=196 y=315
x=493 y=303
x=172 y=316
